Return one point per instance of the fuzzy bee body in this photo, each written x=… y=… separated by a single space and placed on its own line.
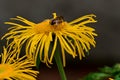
x=57 y=20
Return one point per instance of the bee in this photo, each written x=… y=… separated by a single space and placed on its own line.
x=57 y=20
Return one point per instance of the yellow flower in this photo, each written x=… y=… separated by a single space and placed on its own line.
x=14 y=67
x=74 y=37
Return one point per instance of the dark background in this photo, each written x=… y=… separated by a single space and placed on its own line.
x=107 y=51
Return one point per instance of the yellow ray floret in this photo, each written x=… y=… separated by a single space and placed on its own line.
x=13 y=67
x=73 y=37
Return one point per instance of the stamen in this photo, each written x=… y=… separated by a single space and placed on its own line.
x=54 y=15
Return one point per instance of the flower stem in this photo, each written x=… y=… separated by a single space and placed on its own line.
x=38 y=62
x=60 y=66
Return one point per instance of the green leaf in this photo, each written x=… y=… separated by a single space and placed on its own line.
x=107 y=70
x=96 y=76
x=116 y=68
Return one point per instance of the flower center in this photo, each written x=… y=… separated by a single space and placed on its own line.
x=50 y=25
x=5 y=70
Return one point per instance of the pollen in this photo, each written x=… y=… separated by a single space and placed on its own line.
x=5 y=70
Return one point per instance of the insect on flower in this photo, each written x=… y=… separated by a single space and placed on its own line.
x=73 y=37
x=57 y=20
x=13 y=67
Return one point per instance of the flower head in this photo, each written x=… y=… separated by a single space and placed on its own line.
x=13 y=67
x=73 y=37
